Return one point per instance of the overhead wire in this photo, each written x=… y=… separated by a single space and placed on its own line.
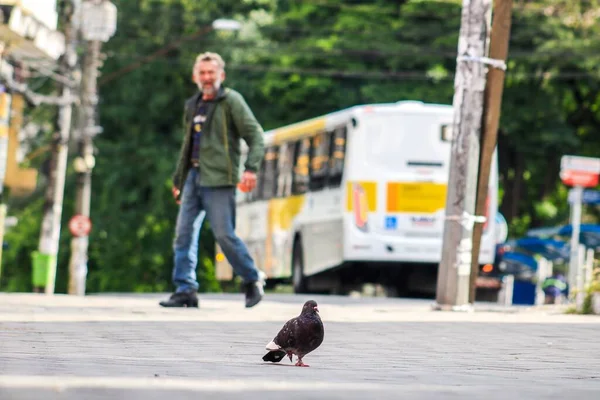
x=274 y=29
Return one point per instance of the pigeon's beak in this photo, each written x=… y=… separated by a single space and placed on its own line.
x=316 y=308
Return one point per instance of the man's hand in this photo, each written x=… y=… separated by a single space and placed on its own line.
x=176 y=192
x=248 y=182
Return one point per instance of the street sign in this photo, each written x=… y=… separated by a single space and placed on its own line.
x=80 y=225
x=580 y=171
x=577 y=163
x=589 y=196
x=579 y=178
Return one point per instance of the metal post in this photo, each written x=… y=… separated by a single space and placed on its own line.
x=589 y=267
x=491 y=116
x=574 y=250
x=544 y=270
x=84 y=164
x=455 y=266
x=46 y=256
x=506 y=292
x=580 y=277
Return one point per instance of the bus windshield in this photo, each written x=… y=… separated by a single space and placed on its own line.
x=406 y=143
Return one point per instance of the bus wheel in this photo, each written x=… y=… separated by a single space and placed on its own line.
x=298 y=279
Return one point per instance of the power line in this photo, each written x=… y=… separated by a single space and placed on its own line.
x=36 y=98
x=293 y=49
x=276 y=53
x=311 y=31
x=148 y=58
x=133 y=33
x=313 y=51
x=389 y=75
x=400 y=75
x=358 y=8
x=53 y=75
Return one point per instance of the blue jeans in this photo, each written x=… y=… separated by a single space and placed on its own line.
x=218 y=205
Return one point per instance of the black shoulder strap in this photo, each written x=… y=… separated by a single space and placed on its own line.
x=228 y=116
x=191 y=105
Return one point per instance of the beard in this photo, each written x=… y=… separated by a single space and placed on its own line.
x=210 y=90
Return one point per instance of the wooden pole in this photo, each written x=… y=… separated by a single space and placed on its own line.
x=491 y=116
x=455 y=266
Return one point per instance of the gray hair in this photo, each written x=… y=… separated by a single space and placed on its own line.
x=209 y=56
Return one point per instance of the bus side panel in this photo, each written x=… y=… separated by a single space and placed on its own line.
x=282 y=214
x=355 y=239
x=322 y=231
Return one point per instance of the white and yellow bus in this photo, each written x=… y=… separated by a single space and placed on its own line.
x=355 y=196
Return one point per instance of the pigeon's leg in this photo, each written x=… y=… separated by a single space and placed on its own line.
x=299 y=363
x=290 y=354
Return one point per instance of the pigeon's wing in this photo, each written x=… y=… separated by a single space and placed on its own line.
x=277 y=348
x=286 y=337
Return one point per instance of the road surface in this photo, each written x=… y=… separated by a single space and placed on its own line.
x=126 y=347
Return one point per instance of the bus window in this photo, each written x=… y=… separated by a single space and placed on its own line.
x=301 y=164
x=319 y=161
x=338 y=154
x=286 y=163
x=268 y=185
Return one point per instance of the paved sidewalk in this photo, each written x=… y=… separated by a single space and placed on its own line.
x=277 y=308
x=126 y=347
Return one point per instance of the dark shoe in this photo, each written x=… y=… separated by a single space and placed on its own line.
x=181 y=299
x=254 y=293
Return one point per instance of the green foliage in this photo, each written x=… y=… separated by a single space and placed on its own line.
x=21 y=240
x=593 y=287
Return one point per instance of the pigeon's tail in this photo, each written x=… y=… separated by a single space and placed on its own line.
x=274 y=356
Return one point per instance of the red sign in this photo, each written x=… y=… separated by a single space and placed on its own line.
x=80 y=225
x=579 y=178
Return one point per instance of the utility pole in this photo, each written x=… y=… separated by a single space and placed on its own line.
x=455 y=266
x=84 y=163
x=501 y=22
x=46 y=258
x=97 y=22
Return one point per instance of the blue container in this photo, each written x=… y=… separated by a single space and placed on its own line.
x=524 y=293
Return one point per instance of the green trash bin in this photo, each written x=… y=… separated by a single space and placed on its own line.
x=41 y=268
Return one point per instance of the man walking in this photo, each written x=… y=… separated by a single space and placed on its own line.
x=205 y=180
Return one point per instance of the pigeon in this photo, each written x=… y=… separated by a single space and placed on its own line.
x=300 y=335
